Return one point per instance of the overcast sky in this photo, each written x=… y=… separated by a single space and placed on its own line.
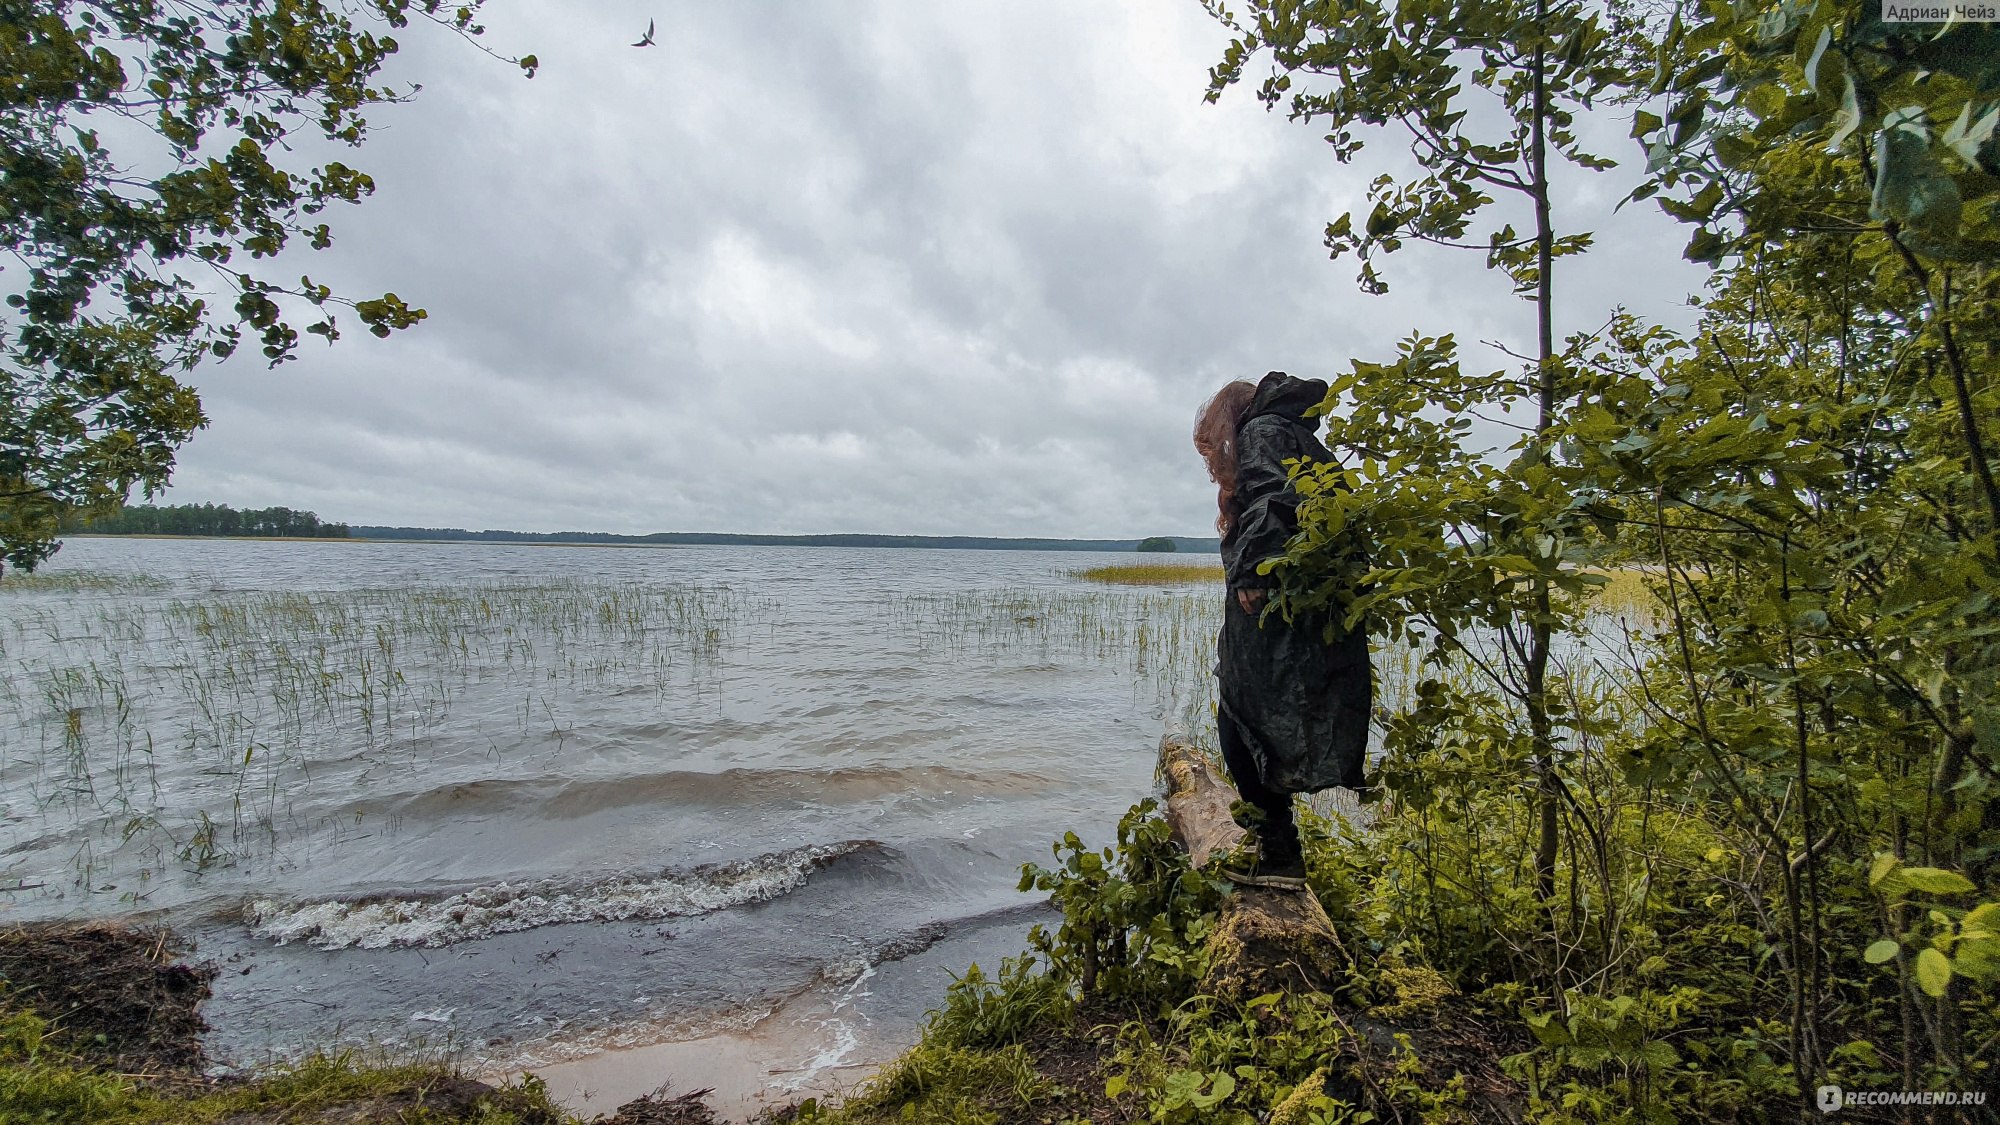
x=897 y=267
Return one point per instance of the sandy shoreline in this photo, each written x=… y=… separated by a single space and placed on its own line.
x=824 y=1041
x=812 y=1046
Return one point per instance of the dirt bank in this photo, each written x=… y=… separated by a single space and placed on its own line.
x=104 y=1024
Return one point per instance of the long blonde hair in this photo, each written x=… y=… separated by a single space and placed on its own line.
x=1215 y=426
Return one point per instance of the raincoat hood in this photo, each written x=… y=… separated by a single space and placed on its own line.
x=1287 y=397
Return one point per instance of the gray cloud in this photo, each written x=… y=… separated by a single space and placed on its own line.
x=890 y=267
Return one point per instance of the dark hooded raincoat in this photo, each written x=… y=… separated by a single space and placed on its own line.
x=1300 y=703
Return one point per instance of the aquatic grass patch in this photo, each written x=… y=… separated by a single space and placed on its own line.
x=182 y=731
x=1625 y=594
x=1164 y=639
x=1151 y=574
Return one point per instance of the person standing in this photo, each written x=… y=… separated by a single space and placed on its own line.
x=1294 y=704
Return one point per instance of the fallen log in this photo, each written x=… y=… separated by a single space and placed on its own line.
x=1266 y=940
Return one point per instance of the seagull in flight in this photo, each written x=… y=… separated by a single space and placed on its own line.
x=647 y=39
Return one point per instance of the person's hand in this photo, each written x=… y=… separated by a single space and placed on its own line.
x=1250 y=599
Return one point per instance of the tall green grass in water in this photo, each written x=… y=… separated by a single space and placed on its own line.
x=191 y=721
x=1166 y=641
x=189 y=724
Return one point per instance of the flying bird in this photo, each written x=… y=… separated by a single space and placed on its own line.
x=647 y=39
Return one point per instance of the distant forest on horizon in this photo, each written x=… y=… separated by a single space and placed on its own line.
x=222 y=520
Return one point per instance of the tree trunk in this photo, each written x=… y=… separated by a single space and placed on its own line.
x=1265 y=940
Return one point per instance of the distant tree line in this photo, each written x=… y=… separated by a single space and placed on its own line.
x=213 y=519
x=959 y=542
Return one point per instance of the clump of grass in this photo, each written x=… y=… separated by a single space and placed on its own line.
x=1626 y=595
x=1151 y=574
x=943 y=1086
x=42 y=1083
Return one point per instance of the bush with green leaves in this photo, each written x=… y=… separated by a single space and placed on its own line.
x=1136 y=917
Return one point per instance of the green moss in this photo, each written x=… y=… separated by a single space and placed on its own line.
x=1418 y=989
x=1303 y=1098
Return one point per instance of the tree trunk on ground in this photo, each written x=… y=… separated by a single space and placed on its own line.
x=1265 y=940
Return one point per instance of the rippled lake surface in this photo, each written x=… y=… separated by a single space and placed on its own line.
x=528 y=799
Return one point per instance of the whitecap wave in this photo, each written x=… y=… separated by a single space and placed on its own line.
x=385 y=923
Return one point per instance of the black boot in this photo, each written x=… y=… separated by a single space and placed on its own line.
x=1271 y=864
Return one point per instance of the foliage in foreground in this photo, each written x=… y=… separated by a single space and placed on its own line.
x=1446 y=1012
x=1808 y=733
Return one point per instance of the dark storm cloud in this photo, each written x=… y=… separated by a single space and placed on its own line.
x=883 y=267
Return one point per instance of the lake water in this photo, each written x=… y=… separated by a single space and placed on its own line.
x=532 y=802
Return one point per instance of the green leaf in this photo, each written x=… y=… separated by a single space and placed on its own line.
x=1880 y=869
x=1937 y=881
x=1933 y=972
x=1984 y=918
x=1658 y=1054
x=1114 y=1086
x=1550 y=1031
x=1705 y=246
x=1881 y=951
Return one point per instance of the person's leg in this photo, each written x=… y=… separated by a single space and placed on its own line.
x=1277 y=832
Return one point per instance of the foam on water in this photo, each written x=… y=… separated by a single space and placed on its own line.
x=383 y=923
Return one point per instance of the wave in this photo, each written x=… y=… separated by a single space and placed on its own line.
x=505 y=908
x=565 y=799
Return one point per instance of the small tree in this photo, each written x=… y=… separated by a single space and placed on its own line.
x=1456 y=541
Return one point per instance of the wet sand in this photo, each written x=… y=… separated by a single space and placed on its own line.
x=804 y=1049
x=824 y=1042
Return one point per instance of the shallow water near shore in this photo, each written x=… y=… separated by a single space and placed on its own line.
x=532 y=803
